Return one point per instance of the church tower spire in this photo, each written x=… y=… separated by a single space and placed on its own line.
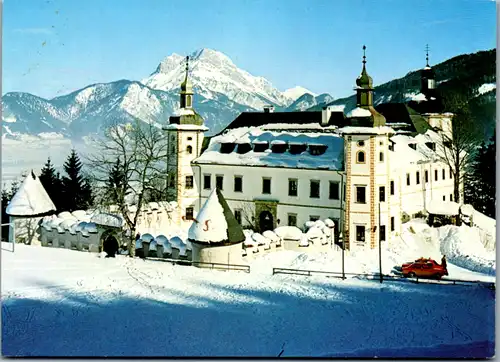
x=364 y=84
x=428 y=81
x=186 y=94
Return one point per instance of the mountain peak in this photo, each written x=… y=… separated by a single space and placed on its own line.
x=297 y=92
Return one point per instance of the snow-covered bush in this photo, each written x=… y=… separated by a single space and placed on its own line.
x=303 y=240
x=288 y=233
x=262 y=240
x=271 y=235
x=315 y=235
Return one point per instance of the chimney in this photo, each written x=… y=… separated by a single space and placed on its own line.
x=269 y=109
x=326 y=113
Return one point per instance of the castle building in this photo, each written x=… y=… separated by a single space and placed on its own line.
x=365 y=171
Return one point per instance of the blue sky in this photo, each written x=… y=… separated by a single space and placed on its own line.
x=53 y=47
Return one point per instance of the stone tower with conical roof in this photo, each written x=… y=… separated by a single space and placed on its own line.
x=185 y=133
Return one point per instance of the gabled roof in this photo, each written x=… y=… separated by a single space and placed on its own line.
x=256 y=119
x=31 y=199
x=398 y=113
x=215 y=223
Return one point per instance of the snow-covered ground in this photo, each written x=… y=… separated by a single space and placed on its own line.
x=59 y=302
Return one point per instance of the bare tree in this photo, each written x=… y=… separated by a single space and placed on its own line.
x=247 y=215
x=458 y=150
x=136 y=155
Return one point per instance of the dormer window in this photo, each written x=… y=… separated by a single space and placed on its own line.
x=360 y=157
x=243 y=148
x=431 y=145
x=227 y=147
x=260 y=146
x=297 y=148
x=278 y=146
x=317 y=149
x=413 y=146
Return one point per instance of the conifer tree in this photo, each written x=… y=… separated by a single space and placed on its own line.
x=115 y=187
x=481 y=187
x=51 y=181
x=76 y=190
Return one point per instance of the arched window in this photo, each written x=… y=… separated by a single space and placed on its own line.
x=188 y=101
x=189 y=149
x=360 y=157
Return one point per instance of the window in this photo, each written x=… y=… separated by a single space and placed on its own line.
x=207 y=181
x=426 y=176
x=189 y=213
x=361 y=194
x=172 y=138
x=418 y=178
x=343 y=193
x=334 y=190
x=292 y=187
x=381 y=157
x=451 y=174
x=219 y=182
x=237 y=215
x=443 y=174
x=190 y=138
x=392 y=224
x=313 y=218
x=451 y=197
x=173 y=149
x=189 y=149
x=435 y=175
x=407 y=179
x=361 y=143
x=381 y=193
x=188 y=101
x=189 y=182
x=266 y=185
x=314 y=189
x=360 y=233
x=444 y=198
x=292 y=219
x=238 y=184
x=171 y=181
x=381 y=234
x=360 y=158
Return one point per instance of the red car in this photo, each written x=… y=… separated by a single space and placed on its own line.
x=424 y=268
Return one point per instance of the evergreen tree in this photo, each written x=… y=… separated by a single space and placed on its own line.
x=7 y=195
x=116 y=185
x=76 y=190
x=51 y=181
x=480 y=186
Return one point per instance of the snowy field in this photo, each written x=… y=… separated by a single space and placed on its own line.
x=59 y=302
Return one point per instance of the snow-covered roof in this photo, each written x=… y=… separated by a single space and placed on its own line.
x=186 y=127
x=107 y=219
x=366 y=130
x=332 y=158
x=358 y=112
x=440 y=207
x=31 y=199
x=215 y=223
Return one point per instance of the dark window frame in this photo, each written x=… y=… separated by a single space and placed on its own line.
x=240 y=178
x=292 y=215
x=392 y=187
x=207 y=185
x=382 y=235
x=265 y=184
x=293 y=191
x=381 y=193
x=314 y=195
x=189 y=213
x=418 y=177
x=334 y=190
x=189 y=182
x=221 y=178
x=393 y=223
x=358 y=194
x=360 y=233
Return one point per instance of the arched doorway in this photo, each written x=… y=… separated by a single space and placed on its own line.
x=109 y=244
x=266 y=221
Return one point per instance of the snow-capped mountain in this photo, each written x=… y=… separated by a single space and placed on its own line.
x=307 y=101
x=213 y=73
x=296 y=92
x=222 y=91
